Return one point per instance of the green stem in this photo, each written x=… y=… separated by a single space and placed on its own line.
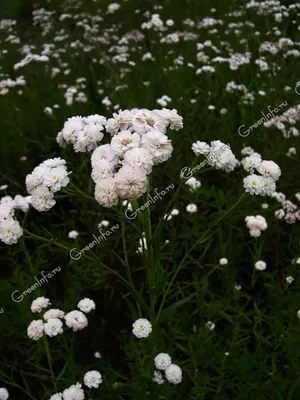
x=50 y=362
x=135 y=294
x=180 y=266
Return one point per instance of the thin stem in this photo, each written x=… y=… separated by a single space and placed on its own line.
x=135 y=293
x=49 y=361
x=180 y=266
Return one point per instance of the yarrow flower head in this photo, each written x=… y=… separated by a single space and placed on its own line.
x=162 y=361
x=83 y=133
x=3 y=394
x=86 y=305
x=38 y=304
x=173 y=374
x=53 y=327
x=74 y=392
x=76 y=320
x=256 y=225
x=35 y=329
x=260 y=265
x=141 y=328
x=92 y=379
x=45 y=180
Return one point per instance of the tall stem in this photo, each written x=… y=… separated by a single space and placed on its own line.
x=50 y=362
x=181 y=264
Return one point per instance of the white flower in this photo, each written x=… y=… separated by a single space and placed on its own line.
x=193 y=183
x=74 y=392
x=172 y=117
x=97 y=355
x=254 y=184
x=144 y=121
x=269 y=169
x=120 y=121
x=102 y=169
x=279 y=214
x=10 y=231
x=76 y=320
x=210 y=325
x=260 y=265
x=88 y=137
x=174 y=374
x=200 y=148
x=106 y=192
x=3 y=394
x=191 y=208
x=38 y=304
x=86 y=305
x=42 y=199
x=54 y=162
x=71 y=129
x=141 y=328
x=162 y=361
x=53 y=327
x=92 y=379
x=131 y=182
x=56 y=396
x=157 y=378
x=158 y=145
x=139 y=158
x=73 y=234
x=256 y=224
x=56 y=178
x=53 y=313
x=104 y=152
x=289 y=279
x=123 y=141
x=223 y=261
x=35 y=329
x=251 y=162
x=36 y=178
x=221 y=156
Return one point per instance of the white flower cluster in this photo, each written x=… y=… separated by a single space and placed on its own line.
x=3 y=394
x=173 y=373
x=256 y=225
x=45 y=180
x=141 y=328
x=10 y=229
x=53 y=324
x=264 y=184
x=92 y=379
x=289 y=211
x=218 y=154
x=120 y=168
x=84 y=133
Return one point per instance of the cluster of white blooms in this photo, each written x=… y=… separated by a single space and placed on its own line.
x=84 y=133
x=218 y=154
x=193 y=183
x=260 y=265
x=289 y=211
x=29 y=58
x=8 y=83
x=53 y=318
x=45 y=180
x=264 y=184
x=10 y=229
x=256 y=225
x=138 y=142
x=290 y=117
x=141 y=328
x=3 y=394
x=92 y=379
x=173 y=373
